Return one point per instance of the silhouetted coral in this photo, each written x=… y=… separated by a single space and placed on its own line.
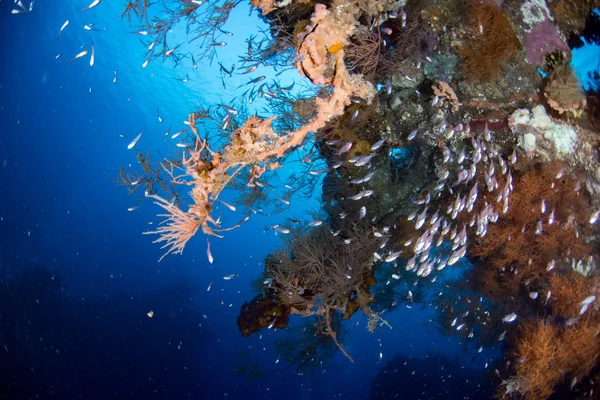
x=262 y=312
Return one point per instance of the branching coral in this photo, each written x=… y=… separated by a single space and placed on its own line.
x=203 y=22
x=320 y=273
x=255 y=145
x=445 y=92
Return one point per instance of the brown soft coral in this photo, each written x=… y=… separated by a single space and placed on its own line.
x=546 y=354
x=494 y=42
x=524 y=241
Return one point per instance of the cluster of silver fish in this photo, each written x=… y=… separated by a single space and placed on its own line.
x=441 y=224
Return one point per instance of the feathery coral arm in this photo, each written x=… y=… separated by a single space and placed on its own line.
x=178 y=228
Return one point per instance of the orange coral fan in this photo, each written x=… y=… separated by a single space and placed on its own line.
x=537 y=350
x=525 y=240
x=547 y=354
x=568 y=290
x=494 y=42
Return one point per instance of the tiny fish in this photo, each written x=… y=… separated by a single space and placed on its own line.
x=209 y=286
x=158 y=115
x=92 y=5
x=115 y=77
x=231 y=207
x=594 y=217
x=363 y=160
x=346 y=148
x=229 y=110
x=533 y=295
x=316 y=222
x=543 y=206
x=256 y=80
x=62 y=28
x=134 y=141
x=132 y=208
x=208 y=253
x=551 y=218
x=388 y=86
x=589 y=300
x=392 y=256
x=377 y=144
x=93 y=56
x=81 y=54
x=364 y=193
x=175 y=135
x=413 y=134
x=585 y=304
x=411 y=263
x=362 y=212
x=318 y=171
x=508 y=318
x=228 y=277
x=249 y=70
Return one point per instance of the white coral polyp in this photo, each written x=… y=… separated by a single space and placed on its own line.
x=535 y=124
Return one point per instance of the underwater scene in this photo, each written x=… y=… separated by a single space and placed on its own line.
x=299 y=199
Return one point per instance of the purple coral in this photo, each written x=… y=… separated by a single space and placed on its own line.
x=544 y=39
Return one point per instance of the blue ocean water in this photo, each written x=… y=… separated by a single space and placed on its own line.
x=79 y=278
